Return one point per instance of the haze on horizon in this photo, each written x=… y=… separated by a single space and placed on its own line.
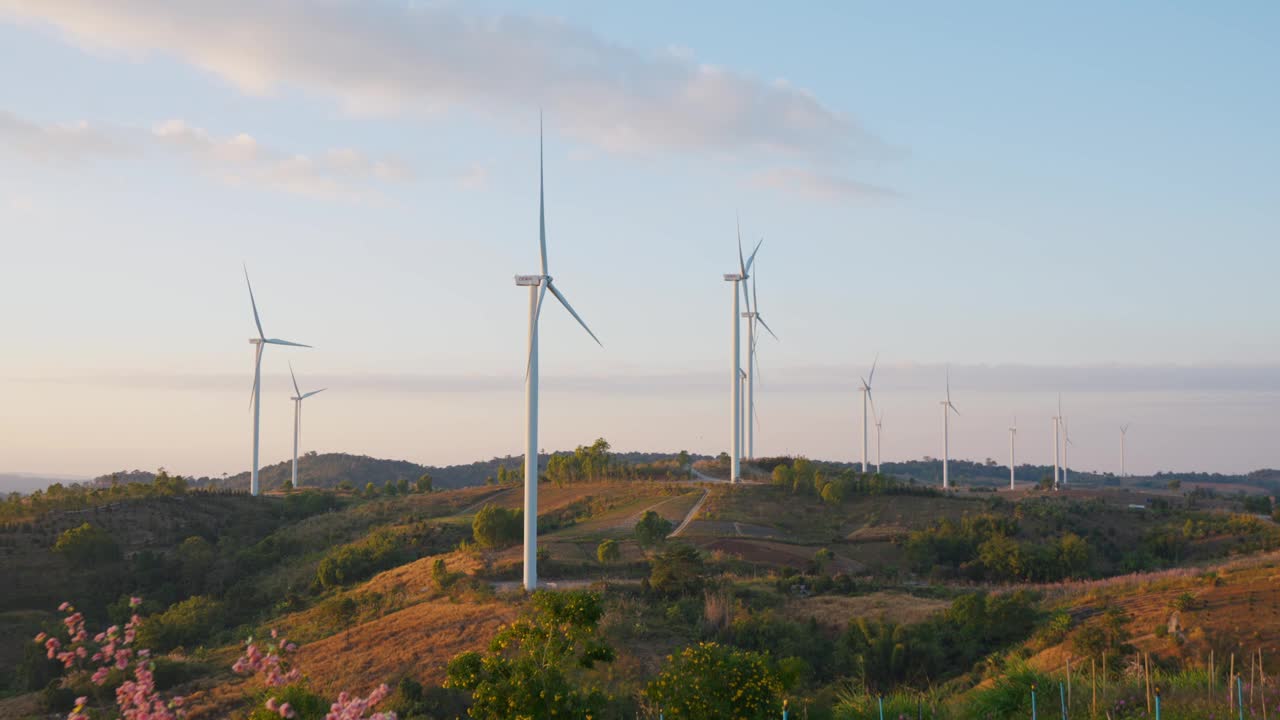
x=1077 y=199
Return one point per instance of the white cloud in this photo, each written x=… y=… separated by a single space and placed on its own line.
x=238 y=159
x=58 y=143
x=376 y=57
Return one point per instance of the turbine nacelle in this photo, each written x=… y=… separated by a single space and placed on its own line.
x=734 y=277
x=532 y=280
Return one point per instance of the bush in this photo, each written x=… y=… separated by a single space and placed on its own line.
x=677 y=571
x=305 y=704
x=187 y=623
x=87 y=545
x=652 y=530
x=496 y=527
x=609 y=551
x=710 y=680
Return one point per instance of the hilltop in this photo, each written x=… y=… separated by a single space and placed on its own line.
x=815 y=570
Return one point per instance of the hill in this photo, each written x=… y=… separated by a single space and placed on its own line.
x=974 y=588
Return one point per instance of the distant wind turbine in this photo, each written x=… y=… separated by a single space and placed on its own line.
x=1124 y=430
x=1056 y=448
x=1013 y=451
x=538 y=286
x=866 y=398
x=255 y=396
x=753 y=318
x=879 y=432
x=735 y=405
x=947 y=408
x=297 y=419
x=1066 y=442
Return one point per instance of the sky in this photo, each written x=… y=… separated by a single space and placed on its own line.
x=1075 y=198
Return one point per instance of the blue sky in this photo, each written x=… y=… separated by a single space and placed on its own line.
x=1068 y=188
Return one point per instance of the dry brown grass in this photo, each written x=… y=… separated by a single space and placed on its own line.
x=417 y=642
x=836 y=611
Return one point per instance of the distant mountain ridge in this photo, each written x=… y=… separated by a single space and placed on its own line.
x=327 y=470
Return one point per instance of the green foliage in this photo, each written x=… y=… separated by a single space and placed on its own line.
x=587 y=463
x=305 y=704
x=882 y=655
x=1010 y=696
x=497 y=527
x=710 y=680
x=441 y=578
x=676 y=571
x=1259 y=504
x=425 y=483
x=185 y=624
x=86 y=546
x=652 y=530
x=609 y=551
x=384 y=548
x=529 y=668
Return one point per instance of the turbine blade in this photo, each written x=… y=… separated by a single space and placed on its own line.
x=755 y=297
x=874 y=362
x=296 y=389
x=277 y=341
x=766 y=327
x=948 y=384
x=953 y=407
x=537 y=315
x=872 y=399
x=313 y=392
x=742 y=265
x=253 y=303
x=572 y=312
x=542 y=205
x=257 y=374
x=752 y=258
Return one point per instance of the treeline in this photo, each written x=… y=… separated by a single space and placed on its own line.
x=804 y=477
x=57 y=496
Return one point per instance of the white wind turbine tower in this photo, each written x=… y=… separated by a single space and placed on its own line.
x=753 y=318
x=297 y=419
x=879 y=423
x=735 y=405
x=538 y=286
x=866 y=398
x=255 y=396
x=1013 y=452
x=947 y=409
x=745 y=420
x=1056 y=458
x=1124 y=430
x=1066 y=442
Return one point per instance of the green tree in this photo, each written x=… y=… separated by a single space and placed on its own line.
x=684 y=462
x=425 y=483
x=502 y=474
x=652 y=529
x=676 y=571
x=782 y=477
x=402 y=486
x=441 y=578
x=370 y=489
x=608 y=551
x=709 y=680
x=187 y=623
x=530 y=666
x=497 y=527
x=87 y=545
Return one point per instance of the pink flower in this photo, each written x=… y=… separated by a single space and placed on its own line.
x=286 y=710
x=135 y=602
x=65 y=606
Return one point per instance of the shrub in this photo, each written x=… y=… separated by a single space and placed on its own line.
x=652 y=529
x=496 y=527
x=187 y=623
x=710 y=680
x=677 y=571
x=87 y=545
x=608 y=552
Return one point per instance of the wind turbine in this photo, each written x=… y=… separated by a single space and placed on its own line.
x=753 y=318
x=255 y=396
x=744 y=422
x=538 y=286
x=1066 y=442
x=947 y=408
x=1056 y=459
x=866 y=397
x=297 y=419
x=1013 y=439
x=879 y=422
x=1124 y=429
x=735 y=405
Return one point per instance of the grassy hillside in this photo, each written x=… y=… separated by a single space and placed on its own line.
x=848 y=585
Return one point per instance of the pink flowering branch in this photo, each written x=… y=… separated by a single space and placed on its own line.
x=112 y=649
x=350 y=707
